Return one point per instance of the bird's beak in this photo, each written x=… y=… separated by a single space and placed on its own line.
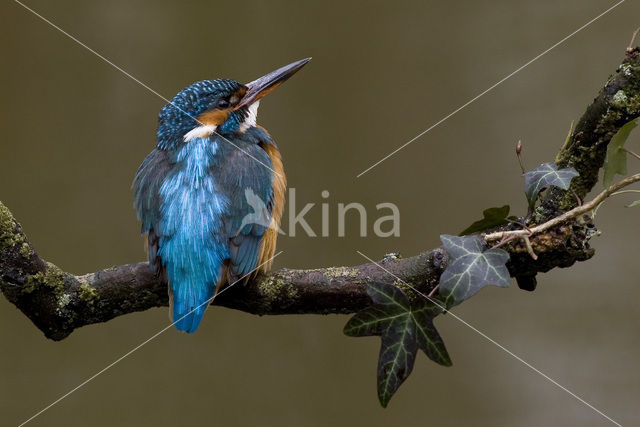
x=265 y=84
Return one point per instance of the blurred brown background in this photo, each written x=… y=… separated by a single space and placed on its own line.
x=75 y=130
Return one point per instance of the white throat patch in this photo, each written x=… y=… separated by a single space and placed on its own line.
x=252 y=117
x=202 y=131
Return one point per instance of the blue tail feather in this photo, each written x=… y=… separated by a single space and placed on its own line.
x=188 y=311
x=192 y=286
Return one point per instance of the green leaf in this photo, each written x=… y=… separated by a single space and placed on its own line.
x=404 y=326
x=616 y=160
x=471 y=267
x=634 y=204
x=493 y=217
x=546 y=175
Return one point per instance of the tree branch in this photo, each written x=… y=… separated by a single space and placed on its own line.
x=58 y=302
x=617 y=103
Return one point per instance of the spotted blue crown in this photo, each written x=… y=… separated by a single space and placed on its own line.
x=180 y=115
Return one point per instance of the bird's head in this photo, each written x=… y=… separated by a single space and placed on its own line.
x=219 y=106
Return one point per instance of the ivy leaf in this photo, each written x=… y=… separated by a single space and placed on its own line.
x=616 y=160
x=546 y=175
x=471 y=267
x=404 y=326
x=493 y=217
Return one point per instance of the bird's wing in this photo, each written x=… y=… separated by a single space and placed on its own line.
x=248 y=185
x=146 y=187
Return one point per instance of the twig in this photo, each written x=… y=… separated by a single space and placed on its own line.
x=433 y=291
x=524 y=226
x=573 y=213
x=568 y=138
x=633 y=38
x=624 y=192
x=637 y=156
x=527 y=243
x=519 y=155
x=578 y=200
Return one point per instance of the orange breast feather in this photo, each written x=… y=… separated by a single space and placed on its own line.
x=268 y=244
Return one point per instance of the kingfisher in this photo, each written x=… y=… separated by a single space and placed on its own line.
x=196 y=194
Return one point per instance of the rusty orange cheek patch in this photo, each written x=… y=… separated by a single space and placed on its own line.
x=214 y=117
x=240 y=93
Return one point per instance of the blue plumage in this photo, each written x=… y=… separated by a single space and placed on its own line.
x=205 y=195
x=191 y=248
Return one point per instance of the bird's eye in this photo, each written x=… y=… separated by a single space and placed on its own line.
x=222 y=103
